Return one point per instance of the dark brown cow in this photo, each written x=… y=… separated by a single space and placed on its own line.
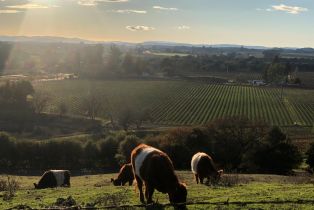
x=155 y=169
x=203 y=166
x=125 y=175
x=54 y=178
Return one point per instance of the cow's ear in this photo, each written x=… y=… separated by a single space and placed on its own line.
x=112 y=179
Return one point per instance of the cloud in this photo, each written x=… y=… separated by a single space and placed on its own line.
x=8 y=11
x=183 y=27
x=166 y=8
x=128 y=11
x=30 y=6
x=289 y=9
x=95 y=2
x=87 y=2
x=140 y=28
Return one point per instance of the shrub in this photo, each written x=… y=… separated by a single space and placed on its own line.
x=276 y=154
x=9 y=187
x=107 y=150
x=125 y=148
x=233 y=138
x=310 y=156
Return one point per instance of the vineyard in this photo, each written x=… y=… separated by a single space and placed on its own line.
x=187 y=103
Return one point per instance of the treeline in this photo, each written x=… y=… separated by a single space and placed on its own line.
x=103 y=61
x=14 y=103
x=21 y=108
x=5 y=50
x=236 y=144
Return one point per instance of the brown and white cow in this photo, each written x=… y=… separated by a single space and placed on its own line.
x=203 y=166
x=125 y=175
x=54 y=178
x=155 y=169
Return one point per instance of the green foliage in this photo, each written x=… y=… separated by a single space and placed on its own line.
x=14 y=103
x=114 y=60
x=5 y=49
x=63 y=109
x=276 y=73
x=310 y=156
x=107 y=151
x=234 y=143
x=125 y=148
x=276 y=154
x=40 y=101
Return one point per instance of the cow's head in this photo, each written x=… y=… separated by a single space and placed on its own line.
x=116 y=182
x=219 y=173
x=178 y=195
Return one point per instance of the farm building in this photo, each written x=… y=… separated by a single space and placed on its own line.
x=257 y=82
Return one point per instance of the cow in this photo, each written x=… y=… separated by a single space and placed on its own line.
x=125 y=175
x=54 y=178
x=155 y=169
x=203 y=166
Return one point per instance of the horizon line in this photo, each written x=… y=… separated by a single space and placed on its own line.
x=161 y=41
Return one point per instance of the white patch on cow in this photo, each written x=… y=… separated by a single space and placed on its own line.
x=139 y=159
x=59 y=175
x=195 y=159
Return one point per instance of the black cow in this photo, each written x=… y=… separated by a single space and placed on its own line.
x=54 y=178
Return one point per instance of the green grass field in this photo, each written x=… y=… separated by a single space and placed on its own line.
x=96 y=190
x=186 y=103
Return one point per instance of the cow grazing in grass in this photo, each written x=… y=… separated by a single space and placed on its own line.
x=125 y=175
x=54 y=178
x=203 y=166
x=155 y=169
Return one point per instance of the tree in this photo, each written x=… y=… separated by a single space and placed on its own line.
x=125 y=117
x=128 y=64
x=14 y=103
x=5 y=50
x=310 y=156
x=62 y=109
x=114 y=60
x=125 y=148
x=140 y=116
x=92 y=105
x=107 y=150
x=277 y=72
x=168 y=67
x=272 y=53
x=40 y=101
x=276 y=154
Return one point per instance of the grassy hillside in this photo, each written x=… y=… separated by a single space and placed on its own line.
x=188 y=103
x=97 y=191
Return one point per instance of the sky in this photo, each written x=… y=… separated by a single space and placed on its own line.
x=272 y=23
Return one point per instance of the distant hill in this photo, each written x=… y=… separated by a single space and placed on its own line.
x=160 y=43
x=55 y=39
x=42 y=39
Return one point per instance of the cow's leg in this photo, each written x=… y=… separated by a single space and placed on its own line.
x=67 y=180
x=196 y=178
x=209 y=179
x=149 y=190
x=201 y=179
x=140 y=187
